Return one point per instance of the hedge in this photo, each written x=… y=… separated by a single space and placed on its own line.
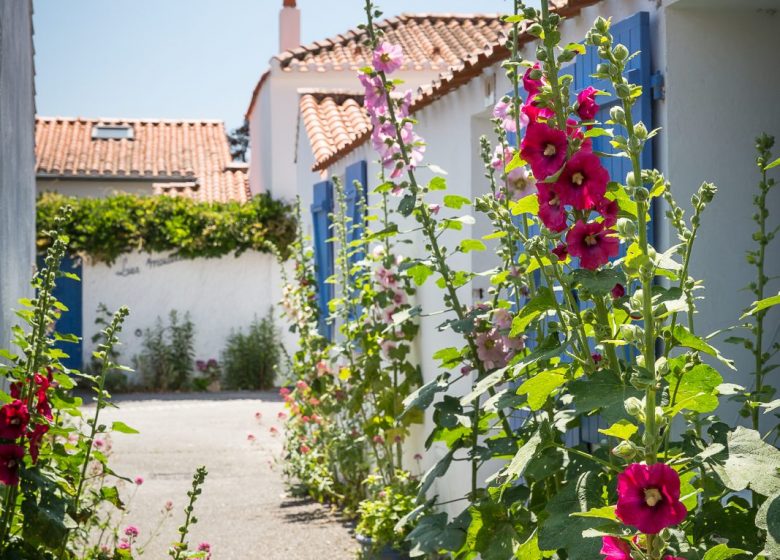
x=105 y=228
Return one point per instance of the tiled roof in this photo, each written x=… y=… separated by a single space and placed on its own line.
x=429 y=41
x=185 y=158
x=470 y=66
x=332 y=120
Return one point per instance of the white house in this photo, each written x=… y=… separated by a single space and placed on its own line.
x=705 y=67
x=98 y=157
x=17 y=175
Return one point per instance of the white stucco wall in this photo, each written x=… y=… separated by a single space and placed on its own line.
x=220 y=295
x=93 y=188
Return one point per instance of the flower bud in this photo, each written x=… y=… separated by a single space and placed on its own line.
x=535 y=30
x=617 y=114
x=641 y=194
x=625 y=450
x=634 y=407
x=601 y=25
x=602 y=69
x=623 y=91
x=660 y=419
x=620 y=51
x=626 y=228
x=641 y=379
x=662 y=366
x=640 y=131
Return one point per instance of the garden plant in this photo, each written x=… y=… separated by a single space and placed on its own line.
x=585 y=322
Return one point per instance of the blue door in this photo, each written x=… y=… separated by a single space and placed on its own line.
x=68 y=291
x=321 y=211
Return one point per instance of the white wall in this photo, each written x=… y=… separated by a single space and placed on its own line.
x=220 y=295
x=722 y=92
x=93 y=188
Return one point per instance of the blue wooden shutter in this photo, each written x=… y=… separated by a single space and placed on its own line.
x=323 y=250
x=69 y=292
x=356 y=196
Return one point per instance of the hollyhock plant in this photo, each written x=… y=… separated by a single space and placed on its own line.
x=14 y=417
x=544 y=148
x=587 y=108
x=11 y=456
x=551 y=210
x=609 y=211
x=532 y=85
x=388 y=58
x=592 y=243
x=583 y=181
x=520 y=183
x=615 y=548
x=36 y=437
x=649 y=497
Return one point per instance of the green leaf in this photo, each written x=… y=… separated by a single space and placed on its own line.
x=123 y=428
x=516 y=162
x=520 y=461
x=602 y=391
x=526 y=205
x=579 y=48
x=423 y=396
x=436 y=471
x=685 y=338
x=438 y=184
x=606 y=512
x=598 y=282
x=762 y=304
x=449 y=356
x=456 y=201
x=468 y=245
x=419 y=273
x=406 y=206
x=698 y=389
x=772 y=165
x=747 y=462
x=111 y=494
x=723 y=552
x=542 y=301
x=516 y=18
x=595 y=132
x=768 y=519
x=540 y=386
x=622 y=429
x=529 y=550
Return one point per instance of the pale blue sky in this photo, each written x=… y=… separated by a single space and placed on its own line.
x=179 y=58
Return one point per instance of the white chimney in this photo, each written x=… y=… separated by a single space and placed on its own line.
x=289 y=26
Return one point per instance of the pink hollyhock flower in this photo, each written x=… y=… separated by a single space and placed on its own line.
x=284 y=391
x=614 y=548
x=417 y=457
x=649 y=497
x=587 y=108
x=490 y=349
x=99 y=443
x=388 y=58
x=301 y=385
x=281 y=415
x=561 y=252
x=592 y=243
x=609 y=211
x=123 y=545
x=618 y=291
x=314 y=401
x=583 y=182
x=502 y=318
x=131 y=531
x=504 y=111
x=168 y=506
x=273 y=430
x=205 y=547
x=512 y=344
x=250 y=437
x=36 y=437
x=374 y=92
x=501 y=157
x=434 y=208
x=551 y=210
x=519 y=183
x=544 y=148
x=258 y=416
x=200 y=365
x=14 y=418
x=139 y=480
x=532 y=86
x=379 y=439
x=11 y=457
x=304 y=448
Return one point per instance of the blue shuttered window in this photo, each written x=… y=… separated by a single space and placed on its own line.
x=323 y=250
x=355 y=179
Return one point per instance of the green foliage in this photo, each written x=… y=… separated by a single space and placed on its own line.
x=167 y=356
x=105 y=228
x=250 y=360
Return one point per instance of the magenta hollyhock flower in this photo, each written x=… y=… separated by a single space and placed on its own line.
x=618 y=291
x=596 y=357
x=551 y=210
x=14 y=417
x=583 y=182
x=131 y=531
x=533 y=112
x=139 y=480
x=529 y=84
x=11 y=457
x=388 y=57
x=544 y=148
x=670 y=557
x=587 y=108
x=609 y=211
x=205 y=547
x=36 y=437
x=614 y=548
x=561 y=252
x=649 y=497
x=592 y=243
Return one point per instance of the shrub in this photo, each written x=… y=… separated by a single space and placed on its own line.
x=249 y=360
x=166 y=362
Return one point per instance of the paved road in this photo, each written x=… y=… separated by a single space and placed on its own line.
x=243 y=512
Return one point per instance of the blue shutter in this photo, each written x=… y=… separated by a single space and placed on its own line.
x=357 y=198
x=68 y=291
x=323 y=250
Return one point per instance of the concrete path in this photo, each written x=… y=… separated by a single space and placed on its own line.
x=243 y=512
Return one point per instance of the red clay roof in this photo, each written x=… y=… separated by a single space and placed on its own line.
x=429 y=42
x=332 y=121
x=184 y=158
x=470 y=66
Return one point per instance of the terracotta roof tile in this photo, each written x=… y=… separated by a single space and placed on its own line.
x=332 y=120
x=469 y=66
x=190 y=158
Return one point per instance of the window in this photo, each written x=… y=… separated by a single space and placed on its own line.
x=112 y=132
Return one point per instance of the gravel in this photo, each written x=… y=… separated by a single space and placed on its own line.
x=244 y=512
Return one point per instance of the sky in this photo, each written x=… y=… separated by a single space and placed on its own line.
x=180 y=59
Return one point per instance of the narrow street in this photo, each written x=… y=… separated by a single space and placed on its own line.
x=244 y=512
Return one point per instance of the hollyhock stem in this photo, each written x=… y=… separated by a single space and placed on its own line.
x=552 y=69
x=603 y=317
x=428 y=225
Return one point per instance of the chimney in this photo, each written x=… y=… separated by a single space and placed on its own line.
x=289 y=26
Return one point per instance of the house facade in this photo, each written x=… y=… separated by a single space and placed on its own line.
x=706 y=136
x=17 y=163
x=150 y=157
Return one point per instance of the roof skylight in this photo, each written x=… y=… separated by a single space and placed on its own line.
x=112 y=132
